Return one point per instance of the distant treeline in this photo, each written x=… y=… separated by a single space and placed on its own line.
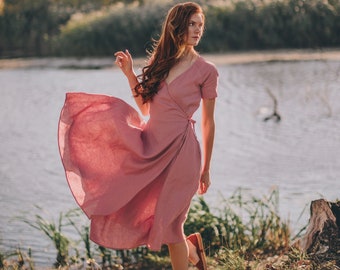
x=100 y=27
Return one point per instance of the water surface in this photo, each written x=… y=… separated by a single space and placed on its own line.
x=300 y=155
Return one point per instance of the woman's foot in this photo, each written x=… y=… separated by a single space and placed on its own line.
x=196 y=251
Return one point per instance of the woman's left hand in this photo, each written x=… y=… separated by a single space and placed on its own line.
x=204 y=182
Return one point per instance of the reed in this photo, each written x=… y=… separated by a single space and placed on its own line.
x=244 y=232
x=244 y=229
x=16 y=259
x=54 y=231
x=82 y=230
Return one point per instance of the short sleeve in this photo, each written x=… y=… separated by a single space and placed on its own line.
x=210 y=81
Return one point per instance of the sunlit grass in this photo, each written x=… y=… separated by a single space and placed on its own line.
x=245 y=232
x=54 y=231
x=16 y=259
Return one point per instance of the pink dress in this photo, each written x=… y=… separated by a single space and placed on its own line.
x=135 y=179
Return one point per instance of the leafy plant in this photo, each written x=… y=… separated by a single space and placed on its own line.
x=53 y=231
x=246 y=232
x=7 y=261
x=97 y=28
x=252 y=227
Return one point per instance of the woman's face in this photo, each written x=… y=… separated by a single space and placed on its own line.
x=195 y=29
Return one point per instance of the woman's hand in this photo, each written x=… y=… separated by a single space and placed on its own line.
x=208 y=134
x=124 y=62
x=204 y=182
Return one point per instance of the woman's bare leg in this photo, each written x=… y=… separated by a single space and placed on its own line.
x=179 y=256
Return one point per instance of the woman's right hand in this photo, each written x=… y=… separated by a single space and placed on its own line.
x=124 y=62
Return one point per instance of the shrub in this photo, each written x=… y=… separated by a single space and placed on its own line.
x=252 y=227
x=45 y=28
x=119 y=28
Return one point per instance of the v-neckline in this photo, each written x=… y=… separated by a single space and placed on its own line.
x=185 y=71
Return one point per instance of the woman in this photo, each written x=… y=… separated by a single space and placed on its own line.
x=135 y=179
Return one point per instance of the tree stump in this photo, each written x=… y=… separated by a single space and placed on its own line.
x=322 y=238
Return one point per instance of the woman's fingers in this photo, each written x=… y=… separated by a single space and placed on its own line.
x=123 y=55
x=128 y=54
x=204 y=183
x=202 y=188
x=119 y=53
x=123 y=59
x=124 y=62
x=120 y=60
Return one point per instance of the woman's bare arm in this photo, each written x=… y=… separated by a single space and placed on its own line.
x=208 y=134
x=125 y=63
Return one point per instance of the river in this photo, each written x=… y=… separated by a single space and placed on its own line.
x=299 y=156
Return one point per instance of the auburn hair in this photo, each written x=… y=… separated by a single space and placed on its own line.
x=167 y=49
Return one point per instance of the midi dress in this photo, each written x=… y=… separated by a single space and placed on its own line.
x=135 y=178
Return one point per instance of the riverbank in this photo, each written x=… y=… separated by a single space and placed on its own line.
x=219 y=59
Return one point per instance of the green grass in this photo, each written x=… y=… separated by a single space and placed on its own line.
x=244 y=229
x=54 y=231
x=245 y=232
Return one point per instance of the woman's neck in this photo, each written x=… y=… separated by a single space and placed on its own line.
x=189 y=54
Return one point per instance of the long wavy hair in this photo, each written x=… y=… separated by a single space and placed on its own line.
x=167 y=50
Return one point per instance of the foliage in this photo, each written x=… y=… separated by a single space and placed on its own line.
x=83 y=232
x=7 y=261
x=245 y=233
x=99 y=27
x=230 y=259
x=26 y=27
x=252 y=227
x=243 y=26
x=102 y=33
x=54 y=231
x=273 y=24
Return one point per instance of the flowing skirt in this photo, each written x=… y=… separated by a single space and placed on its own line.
x=135 y=191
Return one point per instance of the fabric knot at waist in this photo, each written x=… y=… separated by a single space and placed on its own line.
x=192 y=121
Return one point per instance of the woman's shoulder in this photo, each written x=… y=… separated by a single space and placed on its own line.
x=208 y=78
x=206 y=66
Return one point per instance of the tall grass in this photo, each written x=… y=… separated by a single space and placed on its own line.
x=245 y=232
x=242 y=229
x=250 y=227
x=54 y=231
x=234 y=25
x=16 y=259
x=40 y=28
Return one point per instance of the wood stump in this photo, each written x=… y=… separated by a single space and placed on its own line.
x=322 y=238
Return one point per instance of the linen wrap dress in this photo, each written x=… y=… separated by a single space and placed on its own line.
x=135 y=179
